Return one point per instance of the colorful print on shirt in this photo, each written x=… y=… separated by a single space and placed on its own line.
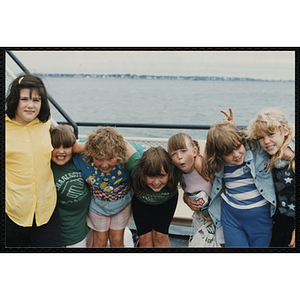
x=110 y=186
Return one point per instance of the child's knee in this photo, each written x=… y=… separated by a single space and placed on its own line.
x=160 y=238
x=100 y=239
x=116 y=238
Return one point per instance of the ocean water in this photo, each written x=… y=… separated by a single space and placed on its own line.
x=117 y=100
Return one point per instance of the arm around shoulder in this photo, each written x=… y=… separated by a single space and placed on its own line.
x=78 y=147
x=130 y=150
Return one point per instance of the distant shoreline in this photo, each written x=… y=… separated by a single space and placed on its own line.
x=157 y=77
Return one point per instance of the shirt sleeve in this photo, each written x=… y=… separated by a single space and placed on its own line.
x=78 y=160
x=133 y=164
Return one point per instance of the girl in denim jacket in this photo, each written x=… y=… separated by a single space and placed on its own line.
x=276 y=136
x=243 y=195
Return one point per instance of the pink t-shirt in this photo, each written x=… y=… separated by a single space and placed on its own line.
x=194 y=183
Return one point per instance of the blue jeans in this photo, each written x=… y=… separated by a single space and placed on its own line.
x=47 y=235
x=246 y=227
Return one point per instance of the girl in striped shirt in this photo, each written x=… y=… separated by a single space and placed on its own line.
x=243 y=195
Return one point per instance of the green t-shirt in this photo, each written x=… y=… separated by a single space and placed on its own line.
x=73 y=199
x=149 y=196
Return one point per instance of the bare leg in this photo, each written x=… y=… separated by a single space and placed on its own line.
x=160 y=240
x=146 y=240
x=100 y=239
x=116 y=238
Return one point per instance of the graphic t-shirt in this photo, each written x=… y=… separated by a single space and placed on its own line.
x=111 y=192
x=73 y=199
x=149 y=196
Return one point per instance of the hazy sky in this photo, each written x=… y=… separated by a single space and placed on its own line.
x=253 y=64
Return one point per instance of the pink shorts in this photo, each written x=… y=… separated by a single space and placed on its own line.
x=116 y=222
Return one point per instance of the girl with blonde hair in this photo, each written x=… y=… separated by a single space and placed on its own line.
x=276 y=136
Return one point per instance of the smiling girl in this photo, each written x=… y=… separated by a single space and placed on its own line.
x=243 y=195
x=73 y=194
x=155 y=198
x=32 y=219
x=102 y=167
x=275 y=135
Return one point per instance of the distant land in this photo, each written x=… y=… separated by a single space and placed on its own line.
x=155 y=77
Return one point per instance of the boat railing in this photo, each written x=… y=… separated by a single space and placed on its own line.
x=183 y=214
x=75 y=125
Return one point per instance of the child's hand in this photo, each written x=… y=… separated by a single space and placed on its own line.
x=190 y=203
x=78 y=147
x=207 y=218
x=229 y=117
x=288 y=154
x=293 y=240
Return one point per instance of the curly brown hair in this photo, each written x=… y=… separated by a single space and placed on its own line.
x=151 y=164
x=106 y=141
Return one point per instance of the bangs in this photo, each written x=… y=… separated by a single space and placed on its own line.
x=263 y=127
x=227 y=144
x=62 y=141
x=176 y=142
x=62 y=136
x=153 y=168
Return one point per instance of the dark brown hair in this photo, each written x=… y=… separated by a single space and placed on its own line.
x=151 y=163
x=27 y=82
x=62 y=135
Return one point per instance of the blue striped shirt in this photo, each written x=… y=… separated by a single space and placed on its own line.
x=240 y=190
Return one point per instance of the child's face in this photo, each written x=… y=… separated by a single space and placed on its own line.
x=28 y=107
x=105 y=164
x=156 y=183
x=271 y=141
x=184 y=158
x=236 y=157
x=61 y=155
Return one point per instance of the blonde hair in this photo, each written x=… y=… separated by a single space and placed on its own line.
x=222 y=139
x=105 y=141
x=269 y=121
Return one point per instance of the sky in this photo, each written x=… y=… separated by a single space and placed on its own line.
x=276 y=65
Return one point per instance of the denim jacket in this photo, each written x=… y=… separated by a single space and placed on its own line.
x=258 y=164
